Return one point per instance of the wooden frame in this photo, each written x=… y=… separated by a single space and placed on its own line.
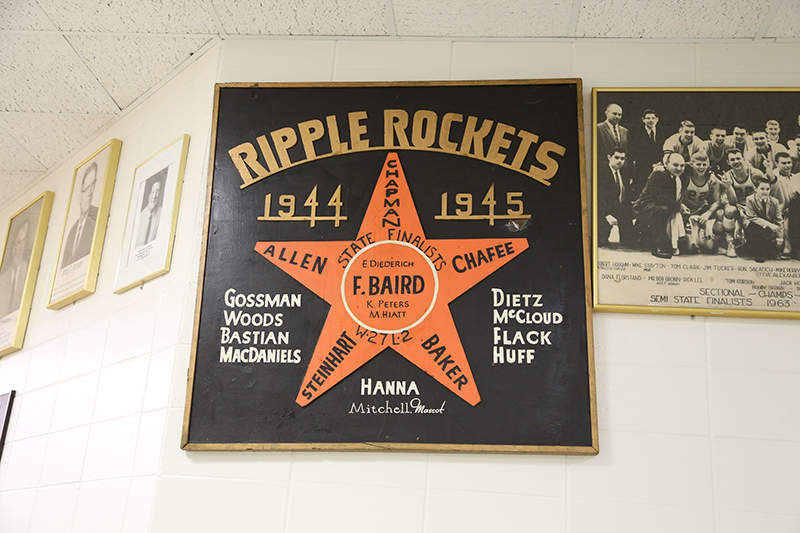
x=299 y=175
x=6 y=403
x=152 y=216
x=78 y=263
x=711 y=265
x=20 y=268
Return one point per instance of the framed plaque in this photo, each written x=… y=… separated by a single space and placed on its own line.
x=394 y=267
x=20 y=268
x=84 y=231
x=697 y=201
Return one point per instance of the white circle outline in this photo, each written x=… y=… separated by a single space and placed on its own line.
x=435 y=286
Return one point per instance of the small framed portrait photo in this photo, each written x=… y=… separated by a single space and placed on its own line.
x=152 y=215
x=85 y=227
x=19 y=269
x=697 y=201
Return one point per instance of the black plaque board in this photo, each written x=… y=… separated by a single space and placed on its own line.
x=395 y=267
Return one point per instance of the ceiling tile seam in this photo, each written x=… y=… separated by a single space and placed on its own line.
x=166 y=79
x=104 y=33
x=391 y=25
x=455 y=38
x=212 y=11
x=109 y=99
x=771 y=14
x=93 y=137
x=46 y=16
x=22 y=148
x=572 y=30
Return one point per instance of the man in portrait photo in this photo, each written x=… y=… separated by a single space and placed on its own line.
x=79 y=240
x=150 y=215
x=15 y=268
x=609 y=132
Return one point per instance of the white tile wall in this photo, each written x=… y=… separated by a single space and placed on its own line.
x=111 y=449
x=698 y=431
x=456 y=510
x=646 y=468
x=354 y=507
x=101 y=505
x=221 y=505
x=64 y=455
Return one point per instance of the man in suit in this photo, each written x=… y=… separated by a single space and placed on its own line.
x=613 y=204
x=763 y=222
x=609 y=133
x=657 y=209
x=15 y=270
x=81 y=234
x=150 y=216
x=646 y=150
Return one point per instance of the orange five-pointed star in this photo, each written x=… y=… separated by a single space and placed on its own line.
x=390 y=287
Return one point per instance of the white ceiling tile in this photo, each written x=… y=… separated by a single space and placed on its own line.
x=13 y=156
x=786 y=24
x=41 y=73
x=482 y=18
x=127 y=66
x=135 y=16
x=302 y=17
x=51 y=137
x=22 y=15
x=671 y=19
x=13 y=182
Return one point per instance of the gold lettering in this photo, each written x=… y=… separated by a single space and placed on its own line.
x=524 y=146
x=395 y=122
x=473 y=137
x=310 y=131
x=244 y=156
x=499 y=141
x=550 y=164
x=284 y=139
x=267 y=152
x=423 y=130
x=358 y=130
x=337 y=146
x=444 y=134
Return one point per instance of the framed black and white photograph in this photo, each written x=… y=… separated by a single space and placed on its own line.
x=697 y=201
x=84 y=231
x=20 y=268
x=152 y=215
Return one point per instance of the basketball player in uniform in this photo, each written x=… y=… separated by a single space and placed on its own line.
x=737 y=184
x=699 y=201
x=717 y=151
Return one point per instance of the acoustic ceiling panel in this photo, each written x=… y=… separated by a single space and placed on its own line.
x=302 y=17
x=671 y=19
x=128 y=65
x=483 y=18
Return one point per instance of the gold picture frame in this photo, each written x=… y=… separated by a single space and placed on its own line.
x=705 y=259
x=78 y=261
x=19 y=269
x=152 y=216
